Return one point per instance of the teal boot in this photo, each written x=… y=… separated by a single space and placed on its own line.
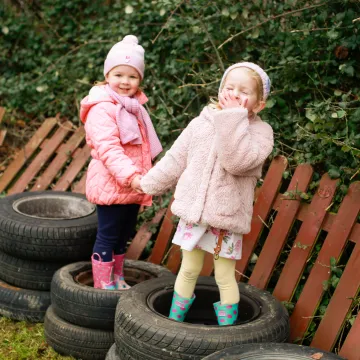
x=179 y=307
x=226 y=314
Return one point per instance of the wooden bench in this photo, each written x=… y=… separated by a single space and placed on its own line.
x=287 y=235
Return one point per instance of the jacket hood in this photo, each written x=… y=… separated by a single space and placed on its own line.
x=97 y=94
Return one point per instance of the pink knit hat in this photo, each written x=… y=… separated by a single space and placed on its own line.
x=126 y=52
x=264 y=77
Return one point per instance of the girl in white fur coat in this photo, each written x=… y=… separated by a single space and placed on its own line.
x=215 y=164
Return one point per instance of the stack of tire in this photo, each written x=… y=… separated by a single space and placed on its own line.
x=80 y=320
x=144 y=332
x=40 y=232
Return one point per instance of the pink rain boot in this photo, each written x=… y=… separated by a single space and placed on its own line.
x=119 y=273
x=102 y=272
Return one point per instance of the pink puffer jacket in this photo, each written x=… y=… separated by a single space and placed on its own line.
x=113 y=165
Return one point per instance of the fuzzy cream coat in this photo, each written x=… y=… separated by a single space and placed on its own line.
x=215 y=163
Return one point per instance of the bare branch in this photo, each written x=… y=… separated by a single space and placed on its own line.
x=266 y=21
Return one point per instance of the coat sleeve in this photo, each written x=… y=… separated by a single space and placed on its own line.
x=165 y=174
x=241 y=146
x=103 y=132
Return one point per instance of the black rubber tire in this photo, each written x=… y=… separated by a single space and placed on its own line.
x=75 y=300
x=79 y=342
x=27 y=274
x=43 y=239
x=143 y=330
x=23 y=304
x=271 y=351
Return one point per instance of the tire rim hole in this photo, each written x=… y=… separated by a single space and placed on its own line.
x=132 y=276
x=53 y=207
x=202 y=311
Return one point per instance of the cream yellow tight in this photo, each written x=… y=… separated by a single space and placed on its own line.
x=191 y=266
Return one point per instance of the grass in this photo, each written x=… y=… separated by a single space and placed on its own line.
x=20 y=340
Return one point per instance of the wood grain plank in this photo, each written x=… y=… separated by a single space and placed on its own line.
x=79 y=187
x=305 y=240
x=164 y=237
x=3 y=133
x=73 y=169
x=2 y=113
x=174 y=259
x=333 y=246
x=45 y=179
x=351 y=348
x=142 y=237
x=280 y=229
x=23 y=155
x=40 y=160
x=327 y=223
x=340 y=304
x=265 y=197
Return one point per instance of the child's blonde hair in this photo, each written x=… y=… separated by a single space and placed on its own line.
x=214 y=103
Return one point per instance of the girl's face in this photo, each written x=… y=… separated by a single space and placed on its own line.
x=123 y=79
x=244 y=86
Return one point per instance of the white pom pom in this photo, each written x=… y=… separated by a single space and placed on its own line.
x=130 y=39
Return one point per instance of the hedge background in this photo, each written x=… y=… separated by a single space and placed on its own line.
x=52 y=51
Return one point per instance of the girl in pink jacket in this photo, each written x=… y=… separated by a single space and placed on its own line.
x=215 y=164
x=123 y=143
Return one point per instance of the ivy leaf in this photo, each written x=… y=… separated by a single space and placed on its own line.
x=332 y=34
x=225 y=12
x=286 y=174
x=310 y=115
x=334 y=173
x=341 y=114
x=270 y=103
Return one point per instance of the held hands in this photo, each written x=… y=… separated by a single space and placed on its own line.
x=135 y=184
x=227 y=99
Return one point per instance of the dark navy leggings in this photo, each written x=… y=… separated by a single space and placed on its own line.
x=116 y=224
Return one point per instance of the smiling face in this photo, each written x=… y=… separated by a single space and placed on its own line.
x=244 y=84
x=123 y=79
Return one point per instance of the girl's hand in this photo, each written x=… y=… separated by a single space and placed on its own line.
x=227 y=99
x=135 y=184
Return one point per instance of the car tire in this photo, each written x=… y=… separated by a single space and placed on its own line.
x=75 y=300
x=144 y=331
x=47 y=226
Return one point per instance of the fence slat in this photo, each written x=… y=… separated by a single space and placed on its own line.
x=24 y=154
x=351 y=348
x=40 y=159
x=79 y=187
x=162 y=241
x=305 y=240
x=327 y=223
x=73 y=169
x=142 y=237
x=332 y=248
x=340 y=304
x=281 y=228
x=2 y=113
x=262 y=207
x=59 y=161
x=174 y=259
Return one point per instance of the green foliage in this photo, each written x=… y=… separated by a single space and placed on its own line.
x=20 y=340
x=53 y=51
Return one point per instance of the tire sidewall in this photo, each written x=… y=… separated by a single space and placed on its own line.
x=271 y=325
x=7 y=212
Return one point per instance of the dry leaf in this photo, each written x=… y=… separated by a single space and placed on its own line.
x=317 y=356
x=21 y=124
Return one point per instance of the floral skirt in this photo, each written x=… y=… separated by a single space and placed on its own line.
x=195 y=236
